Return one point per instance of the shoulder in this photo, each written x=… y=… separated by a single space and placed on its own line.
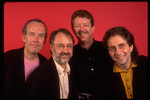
x=98 y=44
x=46 y=70
x=13 y=55
x=46 y=66
x=77 y=46
x=13 y=52
x=142 y=60
x=42 y=58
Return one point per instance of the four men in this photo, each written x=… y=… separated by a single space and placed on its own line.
x=84 y=69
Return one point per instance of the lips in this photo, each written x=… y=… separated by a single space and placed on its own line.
x=64 y=55
x=34 y=45
x=120 y=57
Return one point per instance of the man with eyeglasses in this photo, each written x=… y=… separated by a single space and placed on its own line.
x=130 y=77
x=54 y=79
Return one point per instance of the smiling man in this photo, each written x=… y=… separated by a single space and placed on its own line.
x=130 y=76
x=54 y=78
x=19 y=63
x=90 y=60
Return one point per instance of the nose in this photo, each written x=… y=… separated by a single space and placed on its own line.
x=36 y=38
x=117 y=51
x=81 y=28
x=65 y=50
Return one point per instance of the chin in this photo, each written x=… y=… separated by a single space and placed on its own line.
x=64 y=61
x=35 y=52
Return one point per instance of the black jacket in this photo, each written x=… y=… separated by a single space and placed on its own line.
x=140 y=81
x=14 y=75
x=44 y=82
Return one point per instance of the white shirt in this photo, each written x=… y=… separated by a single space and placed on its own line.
x=63 y=80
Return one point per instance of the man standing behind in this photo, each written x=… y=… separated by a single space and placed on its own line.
x=90 y=61
x=19 y=63
x=130 y=73
x=53 y=79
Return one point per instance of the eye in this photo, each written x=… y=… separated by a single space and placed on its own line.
x=70 y=46
x=112 y=48
x=121 y=45
x=41 y=35
x=59 y=45
x=86 y=25
x=32 y=33
x=76 y=25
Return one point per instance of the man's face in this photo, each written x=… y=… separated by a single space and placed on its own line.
x=34 y=39
x=119 y=50
x=82 y=29
x=62 y=49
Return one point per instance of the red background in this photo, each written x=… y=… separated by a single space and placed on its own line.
x=132 y=15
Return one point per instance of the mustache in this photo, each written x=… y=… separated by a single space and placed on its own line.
x=62 y=53
x=79 y=32
x=119 y=55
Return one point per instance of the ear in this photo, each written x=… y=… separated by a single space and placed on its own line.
x=131 y=48
x=51 y=47
x=23 y=38
x=93 y=28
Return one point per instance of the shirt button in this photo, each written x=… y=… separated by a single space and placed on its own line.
x=127 y=79
x=89 y=58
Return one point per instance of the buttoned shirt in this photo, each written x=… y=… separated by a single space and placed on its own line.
x=127 y=78
x=63 y=80
x=91 y=69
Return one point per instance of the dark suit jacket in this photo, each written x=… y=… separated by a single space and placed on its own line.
x=14 y=76
x=44 y=82
x=140 y=80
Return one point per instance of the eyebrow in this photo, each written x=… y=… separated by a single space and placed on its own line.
x=118 y=44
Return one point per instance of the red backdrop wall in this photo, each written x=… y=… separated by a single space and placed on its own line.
x=132 y=15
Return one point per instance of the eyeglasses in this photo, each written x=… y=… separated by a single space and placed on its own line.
x=62 y=46
x=120 y=46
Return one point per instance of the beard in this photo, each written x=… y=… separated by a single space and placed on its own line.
x=62 y=60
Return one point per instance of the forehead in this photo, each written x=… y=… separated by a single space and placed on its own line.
x=63 y=38
x=115 y=40
x=81 y=20
x=36 y=26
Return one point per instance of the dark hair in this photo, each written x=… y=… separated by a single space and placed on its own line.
x=125 y=34
x=64 y=31
x=24 y=30
x=83 y=14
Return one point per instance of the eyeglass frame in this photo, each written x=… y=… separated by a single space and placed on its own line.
x=63 y=46
x=113 y=48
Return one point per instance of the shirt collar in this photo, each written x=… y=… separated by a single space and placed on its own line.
x=90 y=46
x=60 y=69
x=116 y=69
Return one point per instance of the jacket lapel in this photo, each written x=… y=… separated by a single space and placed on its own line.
x=118 y=86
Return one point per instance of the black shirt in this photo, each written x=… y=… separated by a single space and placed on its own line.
x=92 y=69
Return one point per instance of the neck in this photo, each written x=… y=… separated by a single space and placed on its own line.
x=63 y=66
x=86 y=45
x=30 y=57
